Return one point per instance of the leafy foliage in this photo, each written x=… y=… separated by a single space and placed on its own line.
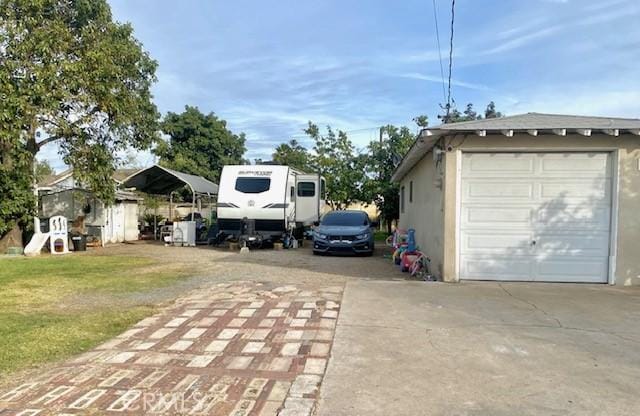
x=382 y=159
x=17 y=203
x=152 y=219
x=43 y=169
x=422 y=121
x=292 y=154
x=469 y=114
x=338 y=161
x=70 y=75
x=199 y=144
x=491 y=112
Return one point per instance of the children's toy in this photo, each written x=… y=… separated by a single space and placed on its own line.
x=58 y=235
x=410 y=253
x=398 y=242
x=397 y=239
x=421 y=268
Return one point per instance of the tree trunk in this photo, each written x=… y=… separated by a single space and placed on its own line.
x=33 y=148
x=11 y=239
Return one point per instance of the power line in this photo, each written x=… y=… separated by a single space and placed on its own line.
x=435 y=18
x=453 y=15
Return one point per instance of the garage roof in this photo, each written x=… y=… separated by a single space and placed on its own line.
x=531 y=123
x=159 y=180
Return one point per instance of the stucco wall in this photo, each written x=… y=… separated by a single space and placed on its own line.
x=628 y=240
x=425 y=212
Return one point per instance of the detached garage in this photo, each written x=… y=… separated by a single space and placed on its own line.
x=533 y=197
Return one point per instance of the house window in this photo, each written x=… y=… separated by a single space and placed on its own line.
x=306 y=189
x=411 y=192
x=402 y=199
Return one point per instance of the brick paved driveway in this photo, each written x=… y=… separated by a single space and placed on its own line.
x=242 y=348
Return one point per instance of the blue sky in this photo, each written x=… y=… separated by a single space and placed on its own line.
x=268 y=67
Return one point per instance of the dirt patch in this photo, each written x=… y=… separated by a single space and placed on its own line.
x=219 y=264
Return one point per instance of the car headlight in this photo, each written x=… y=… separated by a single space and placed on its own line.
x=362 y=236
x=320 y=235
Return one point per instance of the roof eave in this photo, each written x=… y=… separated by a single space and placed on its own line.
x=427 y=138
x=425 y=141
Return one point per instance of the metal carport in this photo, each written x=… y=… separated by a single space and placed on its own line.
x=158 y=180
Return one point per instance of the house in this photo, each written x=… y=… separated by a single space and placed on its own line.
x=63 y=195
x=65 y=180
x=532 y=197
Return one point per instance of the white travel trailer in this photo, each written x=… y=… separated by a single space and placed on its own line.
x=276 y=199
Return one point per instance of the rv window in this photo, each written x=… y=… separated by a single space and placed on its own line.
x=323 y=189
x=306 y=189
x=293 y=193
x=252 y=185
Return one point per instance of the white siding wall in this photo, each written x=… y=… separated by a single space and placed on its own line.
x=131 y=220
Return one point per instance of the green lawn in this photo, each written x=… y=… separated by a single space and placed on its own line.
x=54 y=307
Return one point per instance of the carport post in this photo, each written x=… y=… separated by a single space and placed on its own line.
x=155 y=223
x=171 y=206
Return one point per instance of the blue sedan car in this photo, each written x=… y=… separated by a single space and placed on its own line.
x=347 y=232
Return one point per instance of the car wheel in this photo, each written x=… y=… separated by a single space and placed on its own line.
x=368 y=253
x=316 y=253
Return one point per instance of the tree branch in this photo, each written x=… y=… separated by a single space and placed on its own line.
x=82 y=119
x=48 y=140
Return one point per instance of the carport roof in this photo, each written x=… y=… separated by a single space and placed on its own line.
x=159 y=180
x=533 y=124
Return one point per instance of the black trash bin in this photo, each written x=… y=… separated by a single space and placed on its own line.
x=79 y=242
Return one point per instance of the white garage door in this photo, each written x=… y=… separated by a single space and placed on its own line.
x=535 y=216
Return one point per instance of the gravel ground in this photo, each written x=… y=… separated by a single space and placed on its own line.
x=207 y=266
x=214 y=265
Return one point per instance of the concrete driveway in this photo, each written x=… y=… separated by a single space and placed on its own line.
x=405 y=348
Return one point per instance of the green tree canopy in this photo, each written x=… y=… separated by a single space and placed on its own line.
x=43 y=169
x=199 y=144
x=382 y=158
x=292 y=154
x=491 y=112
x=422 y=121
x=469 y=114
x=341 y=165
x=73 y=76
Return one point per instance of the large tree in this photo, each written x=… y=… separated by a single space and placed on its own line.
x=341 y=165
x=200 y=144
x=469 y=114
x=69 y=75
x=382 y=159
x=43 y=169
x=491 y=112
x=292 y=154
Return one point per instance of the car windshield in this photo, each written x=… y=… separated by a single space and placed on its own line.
x=344 y=218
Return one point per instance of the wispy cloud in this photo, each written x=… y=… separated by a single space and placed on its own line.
x=271 y=67
x=521 y=40
x=439 y=80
